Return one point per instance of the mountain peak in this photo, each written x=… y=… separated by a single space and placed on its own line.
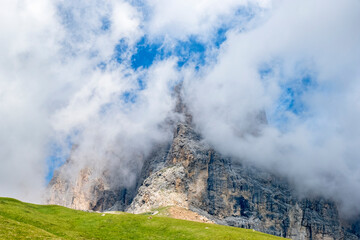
x=188 y=173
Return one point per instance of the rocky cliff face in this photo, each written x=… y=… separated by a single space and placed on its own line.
x=188 y=173
x=235 y=194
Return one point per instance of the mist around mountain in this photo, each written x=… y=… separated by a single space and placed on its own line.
x=190 y=178
x=93 y=84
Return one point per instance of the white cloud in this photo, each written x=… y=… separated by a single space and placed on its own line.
x=27 y=43
x=45 y=61
x=118 y=138
x=183 y=18
x=317 y=149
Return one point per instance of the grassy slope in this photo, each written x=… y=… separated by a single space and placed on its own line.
x=20 y=220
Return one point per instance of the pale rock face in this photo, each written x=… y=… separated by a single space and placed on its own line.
x=87 y=191
x=78 y=194
x=160 y=189
x=297 y=231
x=189 y=174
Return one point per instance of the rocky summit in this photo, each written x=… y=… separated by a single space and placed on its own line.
x=188 y=173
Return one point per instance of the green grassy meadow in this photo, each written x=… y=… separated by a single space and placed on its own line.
x=19 y=220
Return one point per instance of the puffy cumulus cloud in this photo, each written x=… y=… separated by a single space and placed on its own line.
x=301 y=67
x=49 y=52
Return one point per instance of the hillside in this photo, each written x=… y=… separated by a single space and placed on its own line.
x=19 y=220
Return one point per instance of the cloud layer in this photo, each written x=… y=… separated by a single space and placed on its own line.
x=67 y=77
